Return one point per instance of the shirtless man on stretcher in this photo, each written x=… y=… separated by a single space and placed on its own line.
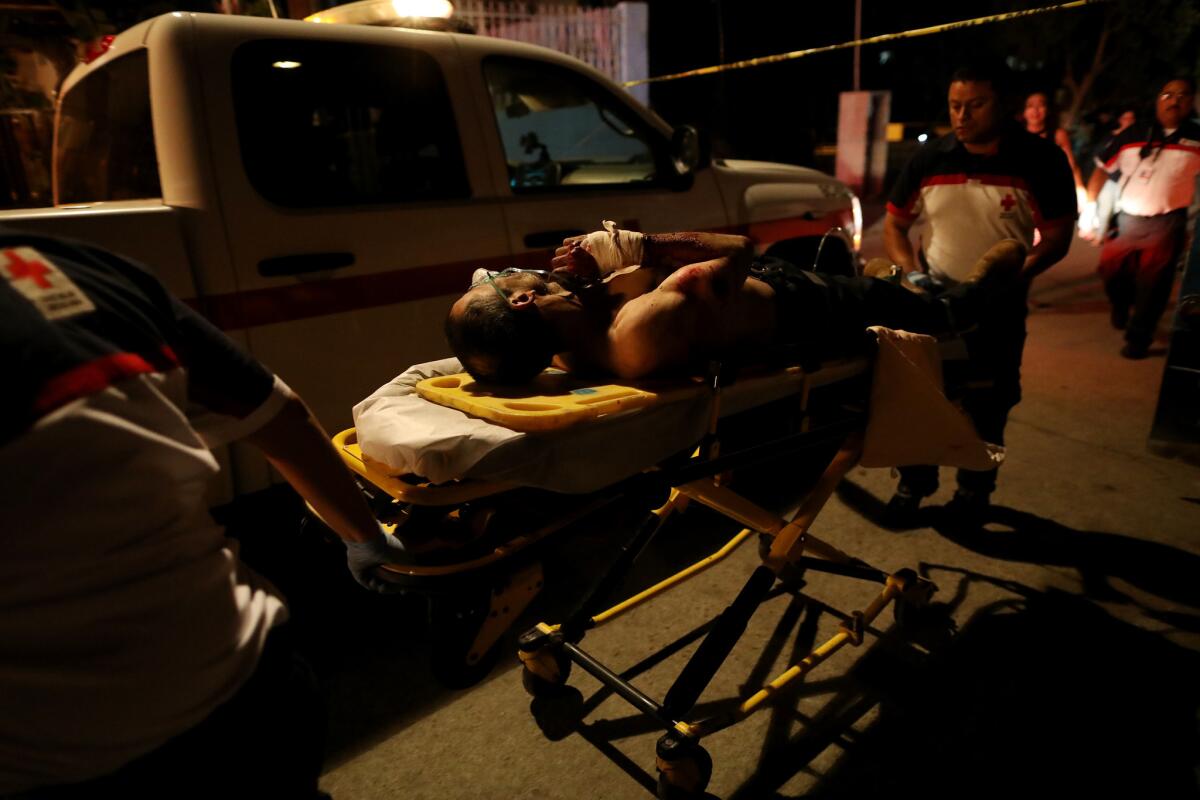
x=633 y=305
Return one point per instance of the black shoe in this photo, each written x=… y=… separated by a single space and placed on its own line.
x=968 y=507
x=1119 y=317
x=1134 y=352
x=901 y=511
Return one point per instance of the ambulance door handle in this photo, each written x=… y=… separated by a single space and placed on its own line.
x=303 y=263
x=541 y=239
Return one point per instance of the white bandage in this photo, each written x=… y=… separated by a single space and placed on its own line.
x=614 y=248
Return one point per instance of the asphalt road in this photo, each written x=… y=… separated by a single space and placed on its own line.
x=1068 y=666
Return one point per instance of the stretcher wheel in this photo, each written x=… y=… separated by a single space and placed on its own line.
x=683 y=775
x=930 y=625
x=552 y=662
x=454 y=624
x=557 y=711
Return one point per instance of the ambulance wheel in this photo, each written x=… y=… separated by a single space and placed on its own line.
x=537 y=685
x=557 y=711
x=684 y=776
x=454 y=624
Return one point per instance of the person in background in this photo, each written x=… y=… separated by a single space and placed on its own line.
x=1041 y=119
x=139 y=657
x=986 y=181
x=1154 y=169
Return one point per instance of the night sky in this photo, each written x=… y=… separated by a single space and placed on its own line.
x=777 y=112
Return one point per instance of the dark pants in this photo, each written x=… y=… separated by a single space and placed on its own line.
x=1138 y=268
x=989 y=417
x=995 y=348
x=826 y=315
x=267 y=740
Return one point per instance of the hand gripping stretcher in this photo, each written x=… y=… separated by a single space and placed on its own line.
x=851 y=408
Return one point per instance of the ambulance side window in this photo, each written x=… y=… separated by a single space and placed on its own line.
x=104 y=148
x=563 y=132
x=335 y=124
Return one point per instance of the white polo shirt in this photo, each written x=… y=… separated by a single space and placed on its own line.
x=126 y=616
x=972 y=201
x=1155 y=171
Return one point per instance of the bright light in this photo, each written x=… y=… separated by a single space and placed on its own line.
x=423 y=8
x=286 y=64
x=856 y=206
x=383 y=12
x=922 y=137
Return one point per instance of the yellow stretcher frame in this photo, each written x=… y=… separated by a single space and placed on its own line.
x=684 y=768
x=681 y=769
x=512 y=589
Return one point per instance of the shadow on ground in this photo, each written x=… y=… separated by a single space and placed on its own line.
x=1008 y=534
x=1041 y=694
x=1044 y=695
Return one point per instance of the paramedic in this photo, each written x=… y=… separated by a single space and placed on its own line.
x=138 y=655
x=987 y=180
x=1156 y=170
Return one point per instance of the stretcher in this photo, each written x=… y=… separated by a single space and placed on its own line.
x=494 y=576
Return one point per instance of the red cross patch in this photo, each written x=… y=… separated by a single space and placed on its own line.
x=45 y=286
x=1008 y=202
x=19 y=267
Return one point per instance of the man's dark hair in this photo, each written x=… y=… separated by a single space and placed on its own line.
x=499 y=344
x=1182 y=78
x=987 y=70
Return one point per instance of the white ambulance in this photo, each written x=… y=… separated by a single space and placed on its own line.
x=322 y=192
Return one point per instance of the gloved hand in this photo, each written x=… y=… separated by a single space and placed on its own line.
x=363 y=557
x=921 y=280
x=1089 y=221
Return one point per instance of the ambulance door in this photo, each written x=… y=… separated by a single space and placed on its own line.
x=356 y=201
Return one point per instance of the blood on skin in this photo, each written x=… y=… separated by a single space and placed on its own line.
x=690 y=279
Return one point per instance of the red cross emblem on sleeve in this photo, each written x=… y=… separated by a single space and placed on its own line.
x=1008 y=202
x=34 y=270
x=45 y=286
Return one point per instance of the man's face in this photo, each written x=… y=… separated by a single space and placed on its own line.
x=974 y=112
x=1174 y=104
x=518 y=289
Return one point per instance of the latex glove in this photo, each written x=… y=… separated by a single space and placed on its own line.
x=1089 y=220
x=921 y=280
x=363 y=557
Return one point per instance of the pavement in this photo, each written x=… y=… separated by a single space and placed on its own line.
x=1066 y=662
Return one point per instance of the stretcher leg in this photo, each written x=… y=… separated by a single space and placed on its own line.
x=718 y=644
x=578 y=623
x=466 y=628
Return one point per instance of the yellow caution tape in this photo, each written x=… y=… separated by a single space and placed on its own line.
x=885 y=37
